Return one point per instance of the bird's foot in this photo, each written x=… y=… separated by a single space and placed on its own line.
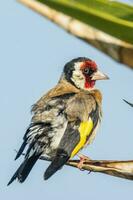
x=83 y=159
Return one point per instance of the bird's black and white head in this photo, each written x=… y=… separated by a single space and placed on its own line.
x=82 y=73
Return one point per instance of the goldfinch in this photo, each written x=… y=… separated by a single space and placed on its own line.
x=64 y=120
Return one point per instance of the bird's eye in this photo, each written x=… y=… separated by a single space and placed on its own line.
x=86 y=70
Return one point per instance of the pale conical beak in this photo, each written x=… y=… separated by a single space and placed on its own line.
x=99 y=76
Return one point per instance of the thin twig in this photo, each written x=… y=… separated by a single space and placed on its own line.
x=131 y=104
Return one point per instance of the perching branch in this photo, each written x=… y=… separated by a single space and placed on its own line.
x=122 y=169
x=115 y=48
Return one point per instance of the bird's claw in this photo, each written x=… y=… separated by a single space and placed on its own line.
x=83 y=159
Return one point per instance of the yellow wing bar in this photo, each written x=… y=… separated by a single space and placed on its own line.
x=84 y=130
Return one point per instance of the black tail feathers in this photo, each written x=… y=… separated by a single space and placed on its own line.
x=20 y=150
x=24 y=169
x=56 y=164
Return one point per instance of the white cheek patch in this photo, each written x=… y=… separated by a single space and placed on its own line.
x=77 y=76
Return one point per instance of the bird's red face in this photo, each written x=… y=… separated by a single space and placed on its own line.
x=83 y=73
x=88 y=68
x=86 y=73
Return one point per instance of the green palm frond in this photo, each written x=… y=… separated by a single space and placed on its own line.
x=110 y=17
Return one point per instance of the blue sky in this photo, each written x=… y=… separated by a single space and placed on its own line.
x=33 y=52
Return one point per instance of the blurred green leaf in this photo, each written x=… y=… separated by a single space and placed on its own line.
x=110 y=17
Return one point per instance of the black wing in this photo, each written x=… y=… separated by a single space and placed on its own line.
x=68 y=142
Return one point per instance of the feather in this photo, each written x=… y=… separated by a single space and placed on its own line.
x=56 y=164
x=64 y=150
x=24 y=169
x=20 y=150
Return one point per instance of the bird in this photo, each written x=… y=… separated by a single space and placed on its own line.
x=64 y=120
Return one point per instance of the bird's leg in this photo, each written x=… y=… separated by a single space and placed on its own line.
x=83 y=158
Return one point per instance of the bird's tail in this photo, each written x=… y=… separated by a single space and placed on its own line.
x=24 y=169
x=55 y=165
